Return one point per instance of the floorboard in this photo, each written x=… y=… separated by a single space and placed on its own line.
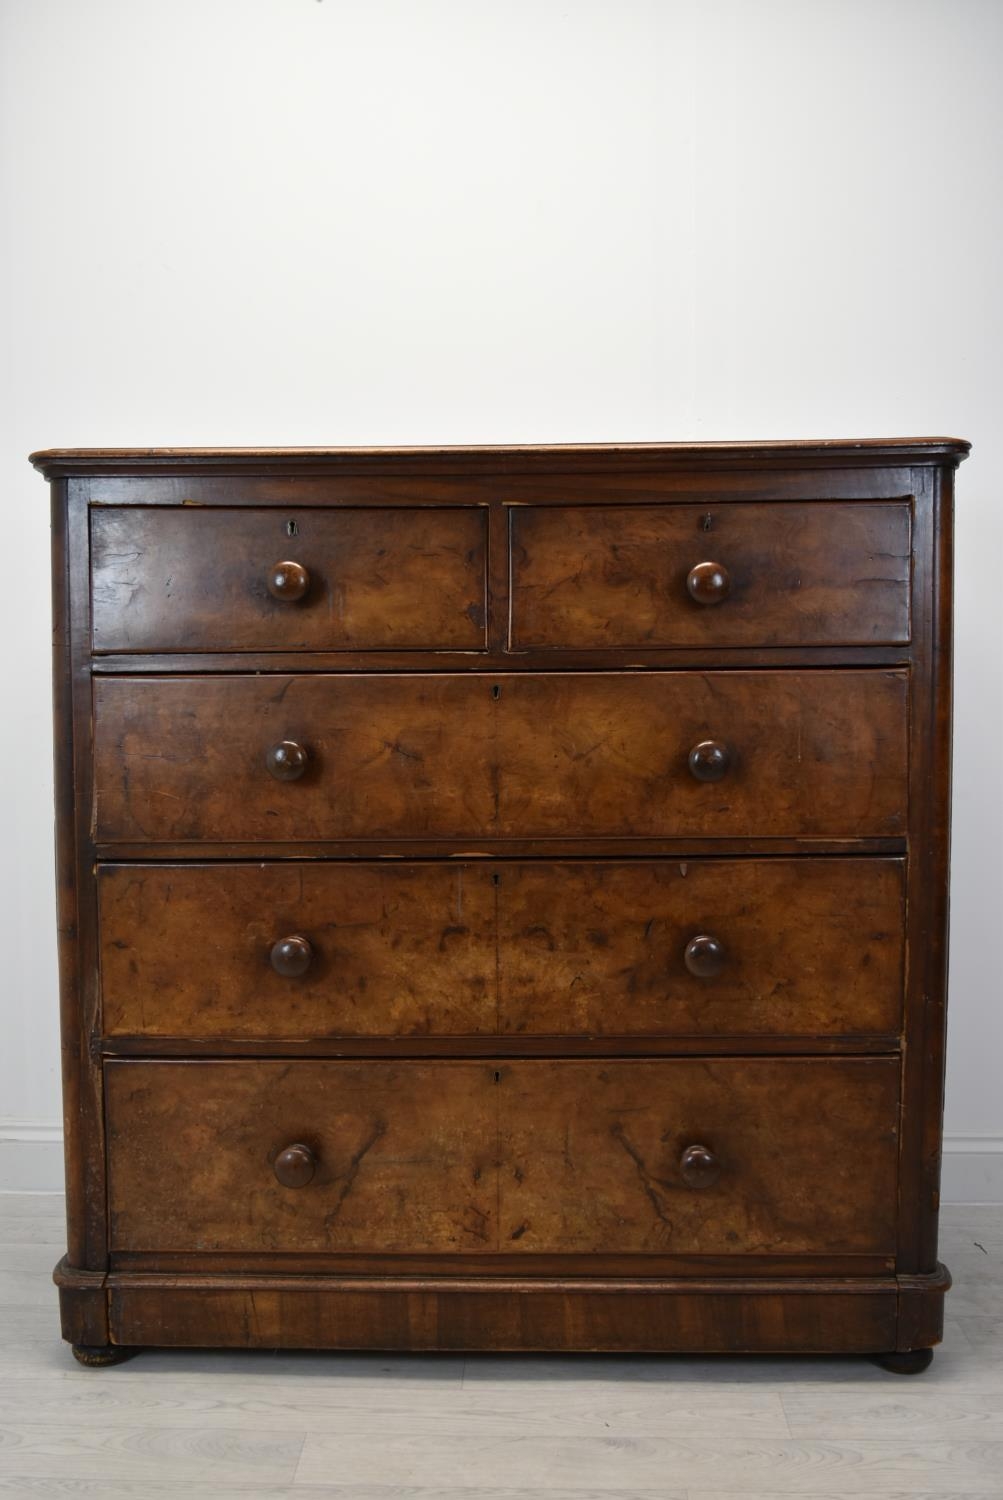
x=222 y=1425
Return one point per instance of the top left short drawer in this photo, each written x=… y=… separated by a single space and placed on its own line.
x=185 y=578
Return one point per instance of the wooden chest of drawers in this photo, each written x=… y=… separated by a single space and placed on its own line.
x=502 y=896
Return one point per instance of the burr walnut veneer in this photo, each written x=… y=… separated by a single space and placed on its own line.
x=502 y=895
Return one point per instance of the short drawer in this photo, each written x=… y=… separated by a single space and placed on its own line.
x=444 y=756
x=705 y=947
x=176 y=578
x=730 y=1157
x=781 y=574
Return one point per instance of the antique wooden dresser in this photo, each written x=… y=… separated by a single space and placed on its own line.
x=503 y=895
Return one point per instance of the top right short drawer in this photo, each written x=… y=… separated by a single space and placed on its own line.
x=782 y=573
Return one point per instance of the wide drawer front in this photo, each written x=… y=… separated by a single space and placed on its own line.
x=703 y=1157
x=189 y=579
x=789 y=574
x=634 y=754
x=706 y=947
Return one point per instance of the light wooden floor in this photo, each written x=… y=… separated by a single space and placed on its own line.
x=218 y=1426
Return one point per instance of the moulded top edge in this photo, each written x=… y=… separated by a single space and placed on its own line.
x=539 y=458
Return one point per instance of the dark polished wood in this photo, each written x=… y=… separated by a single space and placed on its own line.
x=287 y=760
x=498 y=1267
x=522 y=1157
x=520 y=948
x=618 y=1316
x=905 y=1361
x=710 y=760
x=618 y=459
x=493 y=981
x=501 y=756
x=288 y=581
x=295 y=1166
x=708 y=583
x=191 y=579
x=782 y=574
x=291 y=957
x=699 y=1167
x=474 y=1045
x=705 y=956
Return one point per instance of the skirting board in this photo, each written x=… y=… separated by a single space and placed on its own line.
x=31 y=1160
x=973 y=1169
x=31 y=1156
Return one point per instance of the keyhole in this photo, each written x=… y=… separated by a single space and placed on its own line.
x=706 y=523
x=291 y=528
x=496 y=692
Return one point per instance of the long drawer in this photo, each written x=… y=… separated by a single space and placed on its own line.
x=631 y=754
x=301 y=950
x=716 y=574
x=567 y=1157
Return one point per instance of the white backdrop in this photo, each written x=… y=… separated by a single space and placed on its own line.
x=449 y=221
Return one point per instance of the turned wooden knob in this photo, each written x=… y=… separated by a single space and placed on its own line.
x=288 y=581
x=708 y=583
x=709 y=760
x=704 y=955
x=291 y=957
x=287 y=760
x=699 y=1166
x=295 y=1166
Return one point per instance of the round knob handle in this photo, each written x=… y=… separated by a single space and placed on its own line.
x=699 y=1166
x=709 y=760
x=704 y=955
x=288 y=581
x=291 y=957
x=287 y=760
x=295 y=1166
x=708 y=583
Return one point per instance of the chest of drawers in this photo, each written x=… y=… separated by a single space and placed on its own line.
x=502 y=896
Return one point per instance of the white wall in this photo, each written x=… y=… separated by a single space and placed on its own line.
x=381 y=221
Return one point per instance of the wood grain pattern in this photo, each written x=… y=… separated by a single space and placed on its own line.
x=601 y=754
x=812 y=948
x=827 y=1426
x=188 y=579
x=357 y=1404
x=419 y=749
x=567 y=458
x=492 y=1268
x=799 y=575
x=312 y=1313
x=398 y=950
x=807 y=1151
x=711 y=1468
x=929 y=839
x=527 y=1157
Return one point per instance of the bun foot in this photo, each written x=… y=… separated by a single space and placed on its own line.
x=96 y=1355
x=905 y=1362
